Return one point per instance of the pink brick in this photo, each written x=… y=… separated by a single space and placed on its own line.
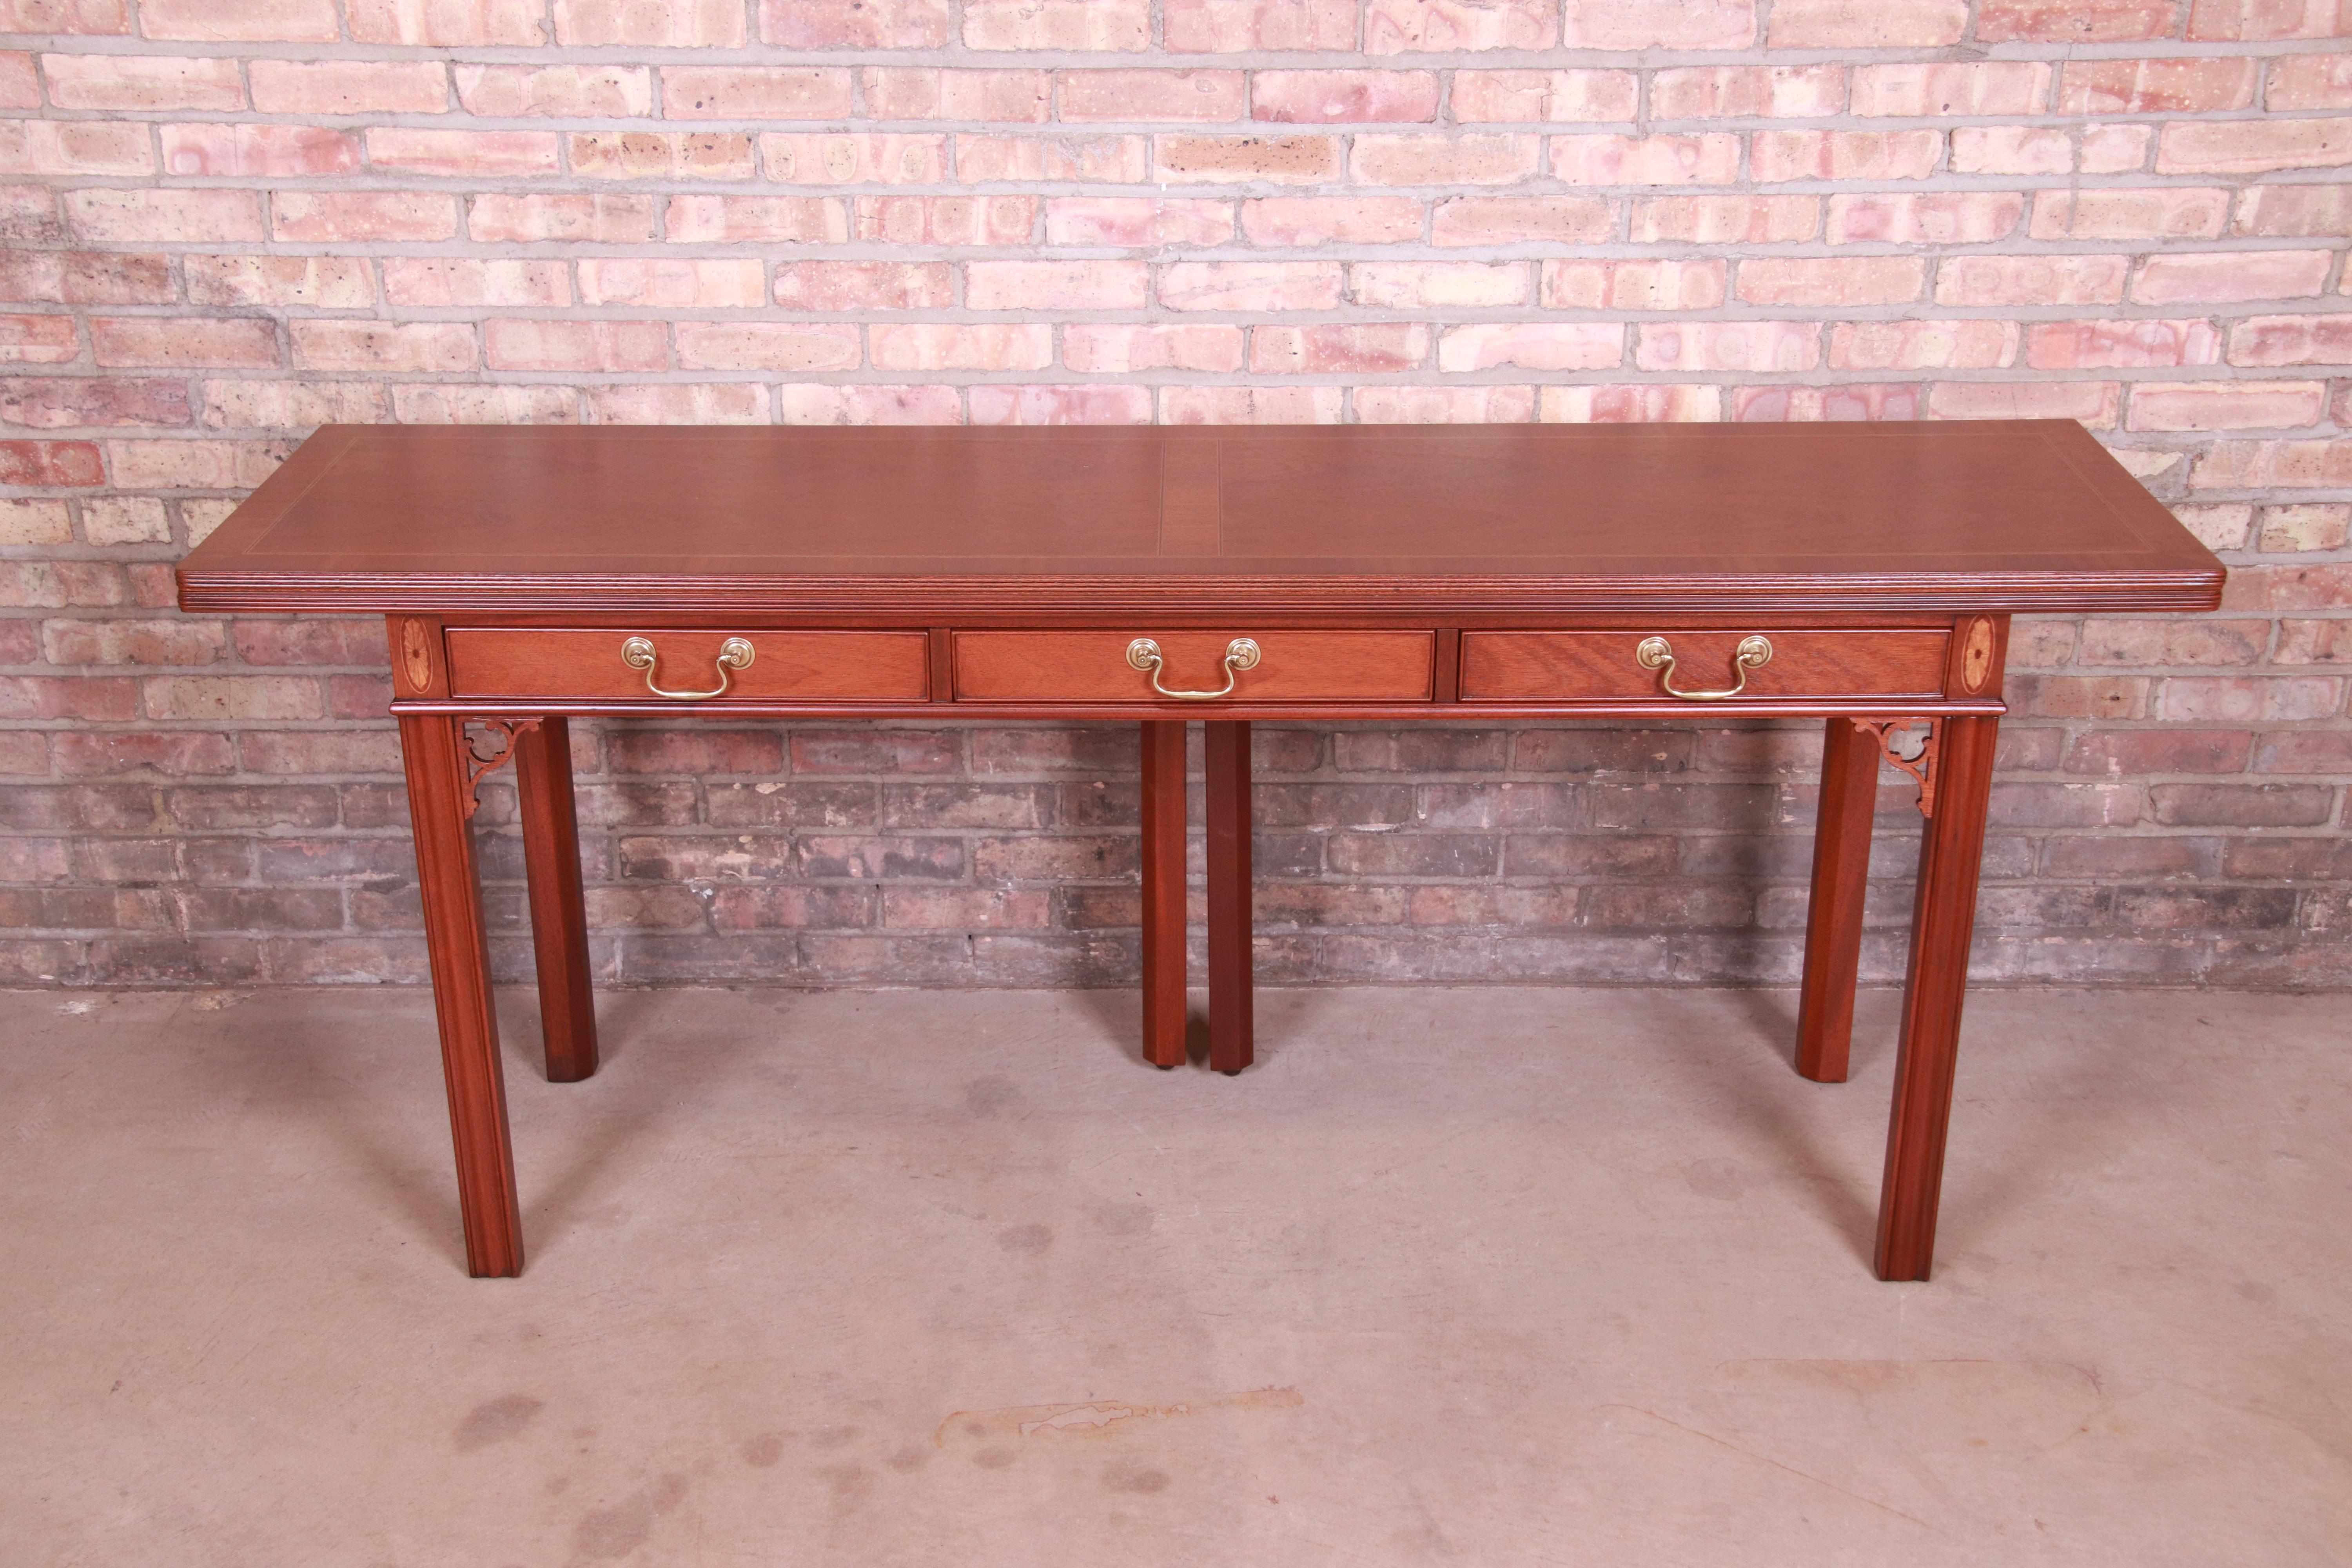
x=2230 y=276
x=846 y=285
x=191 y=342
x=2172 y=213
x=1729 y=346
x=1124 y=350
x=2001 y=87
x=60 y=401
x=334 y=215
x=1633 y=285
x=660 y=154
x=2264 y=465
x=1443 y=27
x=1371 y=348
x=663 y=284
x=2220 y=405
x=382 y=347
x=1712 y=159
x=57 y=463
x=767 y=346
x=2012 y=150
x=1151 y=95
x=1652 y=404
x=2031 y=280
x=1844 y=154
x=89 y=16
x=1240 y=26
x=86 y=277
x=676 y=402
x=225 y=151
x=349 y=87
x=1866 y=24
x=1250 y=285
x=441 y=23
x=575 y=93
x=56 y=149
x=2252 y=146
x=1445 y=404
x=2075 y=21
x=755 y=220
x=1118 y=160
x=1137 y=221
x=1533 y=345
x=38 y=339
x=820 y=405
x=1544 y=95
x=137 y=81
x=1922 y=345
x=1439 y=285
x=20 y=87
x=291 y=405
x=444 y=283
x=1083 y=404
x=2115 y=148
x=2289 y=340
x=1660 y=25
x=1972 y=217
x=2260 y=21
x=1441 y=160
x=896 y=93
x=1727 y=220
x=1746 y=92
x=815 y=158
x=2309 y=81
x=496 y=219
x=1056 y=286
x=179 y=217
x=1836 y=281
x=467 y=404
x=946 y=220
x=2094 y=402
x=1512 y=220
x=1341 y=97
x=240 y=21
x=2300 y=211
x=854 y=24
x=1231 y=159
x=463 y=155
x=2110 y=344
x=953 y=346
x=323 y=282
x=2157 y=87
x=1073 y=25
x=754 y=92
x=650 y=24
x=2241 y=700
x=1325 y=220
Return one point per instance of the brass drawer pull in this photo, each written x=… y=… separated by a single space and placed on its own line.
x=1240 y=654
x=1656 y=653
x=735 y=653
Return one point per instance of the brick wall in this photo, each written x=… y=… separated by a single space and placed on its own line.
x=226 y=221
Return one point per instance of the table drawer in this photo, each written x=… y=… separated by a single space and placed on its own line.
x=1607 y=666
x=1290 y=666
x=783 y=666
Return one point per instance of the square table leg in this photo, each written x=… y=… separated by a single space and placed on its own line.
x=1229 y=895
x=1942 y=921
x=440 y=787
x=1833 y=919
x=1163 y=893
x=558 y=915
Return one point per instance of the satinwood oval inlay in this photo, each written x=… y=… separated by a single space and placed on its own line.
x=1976 y=655
x=417 y=656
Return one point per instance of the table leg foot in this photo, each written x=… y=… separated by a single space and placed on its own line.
x=1229 y=1009
x=1942 y=923
x=440 y=790
x=559 y=915
x=1163 y=893
x=1834 y=919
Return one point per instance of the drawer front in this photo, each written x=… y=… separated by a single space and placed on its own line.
x=1292 y=666
x=785 y=667
x=1603 y=666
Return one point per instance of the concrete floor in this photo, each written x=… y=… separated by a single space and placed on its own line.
x=1493 y=1276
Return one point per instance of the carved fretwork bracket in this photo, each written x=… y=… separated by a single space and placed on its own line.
x=1921 y=764
x=502 y=735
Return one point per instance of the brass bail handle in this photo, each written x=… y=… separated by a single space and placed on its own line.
x=734 y=654
x=1656 y=653
x=1241 y=654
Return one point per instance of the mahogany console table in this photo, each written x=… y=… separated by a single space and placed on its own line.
x=1861 y=573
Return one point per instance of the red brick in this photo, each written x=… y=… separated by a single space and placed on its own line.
x=1974 y=217
x=900 y=93
x=2253 y=21
x=1712 y=159
x=1086 y=405
x=1073 y=25
x=815 y=405
x=2309 y=81
x=2082 y=346
x=2299 y=211
x=86 y=277
x=2292 y=340
x=324 y=282
x=1341 y=97
x=434 y=22
x=848 y=286
x=1846 y=401
x=1443 y=27
x=754 y=92
x=1376 y=347
x=1725 y=220
x=854 y=24
x=1293 y=221
x=2251 y=146
x=1633 y=285
x=2313 y=642
x=1832 y=281
x=749 y=220
x=951 y=346
x=946 y=220
x=1250 y=285
x=240 y=21
x=235 y=151
x=2223 y=405
x=1866 y=24
x=1118 y=160
x=184 y=341
x=1916 y=344
x=2257 y=465
x=1137 y=221
x=50 y=463
x=179 y=217
x=1123 y=350
x=141 y=82
x=655 y=156
x=1230 y=160
x=1729 y=346
x=338 y=217
x=1511 y=220
x=381 y=346
x=346 y=87
x=179 y=753
x=1236 y=27
x=541 y=344
x=1533 y=345
x=2075 y=21
x=1129 y=95
x=2094 y=402
x=177 y=641
x=2173 y=213
x=575 y=92
x=38 y=339
x=815 y=158
x=2192 y=86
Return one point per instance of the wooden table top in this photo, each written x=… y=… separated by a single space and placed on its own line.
x=1992 y=516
